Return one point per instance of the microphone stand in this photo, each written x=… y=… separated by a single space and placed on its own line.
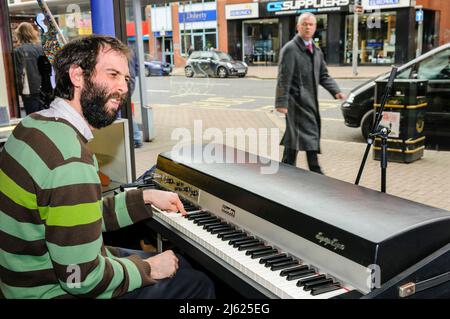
x=379 y=131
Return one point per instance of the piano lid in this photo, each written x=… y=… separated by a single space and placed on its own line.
x=367 y=213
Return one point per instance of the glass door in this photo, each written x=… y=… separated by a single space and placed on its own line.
x=198 y=42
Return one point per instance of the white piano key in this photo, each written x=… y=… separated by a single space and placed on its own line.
x=251 y=268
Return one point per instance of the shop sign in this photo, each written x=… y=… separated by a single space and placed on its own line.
x=197 y=16
x=277 y=8
x=242 y=11
x=385 y=4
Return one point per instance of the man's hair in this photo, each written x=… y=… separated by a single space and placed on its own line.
x=82 y=52
x=305 y=15
x=25 y=33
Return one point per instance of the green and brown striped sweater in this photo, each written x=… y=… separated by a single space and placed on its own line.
x=52 y=216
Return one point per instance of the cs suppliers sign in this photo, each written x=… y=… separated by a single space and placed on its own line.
x=277 y=8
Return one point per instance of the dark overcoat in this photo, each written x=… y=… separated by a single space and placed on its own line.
x=299 y=74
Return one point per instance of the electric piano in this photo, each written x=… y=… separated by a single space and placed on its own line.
x=298 y=234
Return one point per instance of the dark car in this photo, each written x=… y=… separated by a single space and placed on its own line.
x=433 y=66
x=157 y=68
x=214 y=63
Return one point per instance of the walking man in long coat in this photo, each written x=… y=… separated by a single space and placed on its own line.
x=302 y=68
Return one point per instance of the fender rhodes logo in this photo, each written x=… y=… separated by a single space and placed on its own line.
x=228 y=210
x=329 y=242
x=307 y=5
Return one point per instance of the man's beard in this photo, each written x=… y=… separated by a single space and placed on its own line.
x=93 y=104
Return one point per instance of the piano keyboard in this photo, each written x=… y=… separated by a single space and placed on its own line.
x=281 y=274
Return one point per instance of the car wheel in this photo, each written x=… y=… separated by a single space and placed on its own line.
x=241 y=75
x=222 y=72
x=188 y=72
x=147 y=72
x=366 y=123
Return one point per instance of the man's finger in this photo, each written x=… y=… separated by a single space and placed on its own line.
x=180 y=207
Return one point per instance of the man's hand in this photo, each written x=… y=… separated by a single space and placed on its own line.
x=282 y=110
x=163 y=265
x=167 y=201
x=340 y=96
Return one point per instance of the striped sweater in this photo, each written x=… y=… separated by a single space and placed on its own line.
x=52 y=216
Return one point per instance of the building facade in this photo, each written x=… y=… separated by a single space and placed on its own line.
x=255 y=31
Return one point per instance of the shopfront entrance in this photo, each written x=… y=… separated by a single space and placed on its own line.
x=261 y=41
x=166 y=45
x=320 y=37
x=376 y=38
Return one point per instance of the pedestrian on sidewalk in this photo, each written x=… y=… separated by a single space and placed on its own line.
x=302 y=68
x=26 y=67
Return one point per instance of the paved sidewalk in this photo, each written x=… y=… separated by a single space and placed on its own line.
x=426 y=180
x=337 y=72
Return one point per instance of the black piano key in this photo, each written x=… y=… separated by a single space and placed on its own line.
x=190 y=208
x=301 y=274
x=283 y=265
x=294 y=270
x=319 y=283
x=198 y=215
x=219 y=225
x=325 y=289
x=248 y=242
x=239 y=240
x=221 y=229
x=229 y=232
x=302 y=282
x=216 y=223
x=232 y=235
x=248 y=246
x=257 y=249
x=199 y=219
x=263 y=260
x=277 y=260
x=263 y=253
x=206 y=221
x=194 y=214
x=226 y=231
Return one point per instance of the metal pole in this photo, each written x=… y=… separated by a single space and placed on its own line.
x=355 y=44
x=146 y=110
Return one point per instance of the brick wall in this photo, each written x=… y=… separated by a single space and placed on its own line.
x=151 y=36
x=443 y=6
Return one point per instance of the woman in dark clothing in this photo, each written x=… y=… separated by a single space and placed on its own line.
x=26 y=61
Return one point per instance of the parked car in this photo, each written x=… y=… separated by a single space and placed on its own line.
x=157 y=68
x=214 y=63
x=433 y=66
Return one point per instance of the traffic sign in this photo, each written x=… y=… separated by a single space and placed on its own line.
x=419 y=16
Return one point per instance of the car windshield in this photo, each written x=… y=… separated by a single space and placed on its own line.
x=223 y=56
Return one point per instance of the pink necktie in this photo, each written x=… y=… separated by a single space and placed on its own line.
x=310 y=47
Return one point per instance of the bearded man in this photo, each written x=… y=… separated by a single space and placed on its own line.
x=52 y=214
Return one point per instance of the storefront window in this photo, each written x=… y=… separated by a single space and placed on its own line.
x=261 y=41
x=320 y=37
x=198 y=23
x=74 y=20
x=376 y=38
x=201 y=39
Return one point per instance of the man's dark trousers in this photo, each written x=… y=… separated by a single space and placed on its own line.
x=290 y=157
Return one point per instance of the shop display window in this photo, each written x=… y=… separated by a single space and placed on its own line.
x=376 y=38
